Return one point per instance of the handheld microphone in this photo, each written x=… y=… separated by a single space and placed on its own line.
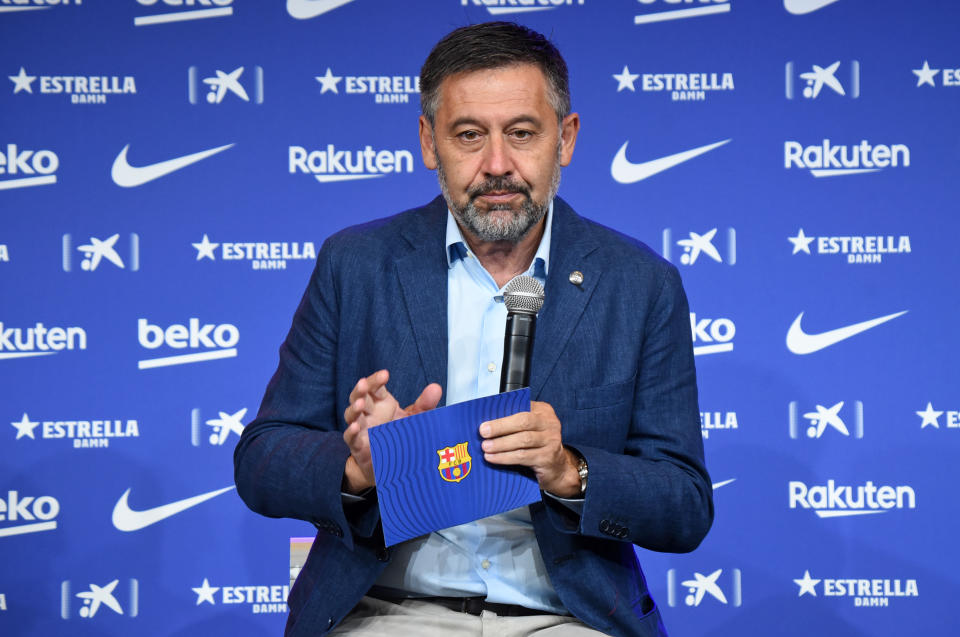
x=523 y=297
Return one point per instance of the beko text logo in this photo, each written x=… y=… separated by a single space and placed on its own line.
x=344 y=165
x=716 y=333
x=505 y=7
x=198 y=10
x=702 y=8
x=16 y=342
x=27 y=511
x=831 y=160
x=42 y=163
x=219 y=341
x=832 y=501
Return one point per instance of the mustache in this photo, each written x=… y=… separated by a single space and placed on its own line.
x=499 y=184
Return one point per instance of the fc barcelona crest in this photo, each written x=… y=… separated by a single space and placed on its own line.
x=454 y=462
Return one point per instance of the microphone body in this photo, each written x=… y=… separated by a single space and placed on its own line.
x=523 y=296
x=517 y=351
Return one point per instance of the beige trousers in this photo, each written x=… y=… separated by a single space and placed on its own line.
x=378 y=618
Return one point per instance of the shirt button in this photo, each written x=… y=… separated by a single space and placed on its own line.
x=491 y=367
x=485 y=564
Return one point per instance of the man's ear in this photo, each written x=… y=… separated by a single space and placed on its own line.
x=568 y=137
x=426 y=144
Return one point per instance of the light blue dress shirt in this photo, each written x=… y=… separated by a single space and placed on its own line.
x=496 y=557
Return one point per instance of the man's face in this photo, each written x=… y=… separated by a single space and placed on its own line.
x=498 y=149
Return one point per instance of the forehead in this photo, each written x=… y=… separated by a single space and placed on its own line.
x=506 y=91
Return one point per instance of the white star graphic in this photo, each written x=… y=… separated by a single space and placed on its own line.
x=801 y=242
x=205 y=592
x=25 y=427
x=329 y=81
x=807 y=584
x=930 y=417
x=205 y=248
x=626 y=79
x=924 y=75
x=22 y=81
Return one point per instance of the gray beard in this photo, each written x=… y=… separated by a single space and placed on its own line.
x=485 y=226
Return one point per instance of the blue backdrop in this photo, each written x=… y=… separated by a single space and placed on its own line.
x=169 y=169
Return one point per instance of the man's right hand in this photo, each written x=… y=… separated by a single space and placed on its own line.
x=372 y=405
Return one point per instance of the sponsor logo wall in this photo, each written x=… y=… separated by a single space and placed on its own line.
x=162 y=207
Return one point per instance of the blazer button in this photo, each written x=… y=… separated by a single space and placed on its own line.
x=604 y=526
x=382 y=554
x=330 y=622
x=336 y=530
x=622 y=533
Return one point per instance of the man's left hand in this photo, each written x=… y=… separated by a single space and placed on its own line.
x=532 y=439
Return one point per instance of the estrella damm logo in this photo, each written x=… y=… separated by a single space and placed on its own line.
x=454 y=462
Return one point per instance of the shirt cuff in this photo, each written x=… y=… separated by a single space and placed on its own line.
x=349 y=498
x=574 y=504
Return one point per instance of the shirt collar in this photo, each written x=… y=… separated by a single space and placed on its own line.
x=457 y=246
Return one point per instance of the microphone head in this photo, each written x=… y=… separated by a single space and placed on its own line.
x=523 y=294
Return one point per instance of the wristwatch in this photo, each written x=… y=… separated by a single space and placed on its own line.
x=582 y=471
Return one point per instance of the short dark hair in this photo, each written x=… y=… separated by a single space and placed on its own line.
x=492 y=45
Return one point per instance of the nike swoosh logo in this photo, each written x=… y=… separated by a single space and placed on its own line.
x=799 y=342
x=126 y=519
x=800 y=7
x=717 y=485
x=306 y=9
x=626 y=172
x=129 y=176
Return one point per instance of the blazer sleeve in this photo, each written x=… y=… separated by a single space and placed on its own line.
x=656 y=493
x=289 y=461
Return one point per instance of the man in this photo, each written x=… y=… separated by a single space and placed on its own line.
x=411 y=306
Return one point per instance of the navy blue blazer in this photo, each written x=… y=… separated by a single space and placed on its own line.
x=613 y=356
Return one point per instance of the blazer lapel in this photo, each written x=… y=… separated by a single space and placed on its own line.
x=423 y=279
x=571 y=245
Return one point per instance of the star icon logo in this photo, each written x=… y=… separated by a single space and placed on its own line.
x=22 y=81
x=205 y=249
x=924 y=75
x=930 y=417
x=807 y=584
x=25 y=427
x=205 y=592
x=801 y=242
x=329 y=81
x=626 y=79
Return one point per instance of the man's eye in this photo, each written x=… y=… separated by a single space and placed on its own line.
x=469 y=135
x=521 y=134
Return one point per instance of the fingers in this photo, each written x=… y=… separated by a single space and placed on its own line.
x=427 y=400
x=373 y=386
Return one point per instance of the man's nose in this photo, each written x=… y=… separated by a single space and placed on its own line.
x=497 y=160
